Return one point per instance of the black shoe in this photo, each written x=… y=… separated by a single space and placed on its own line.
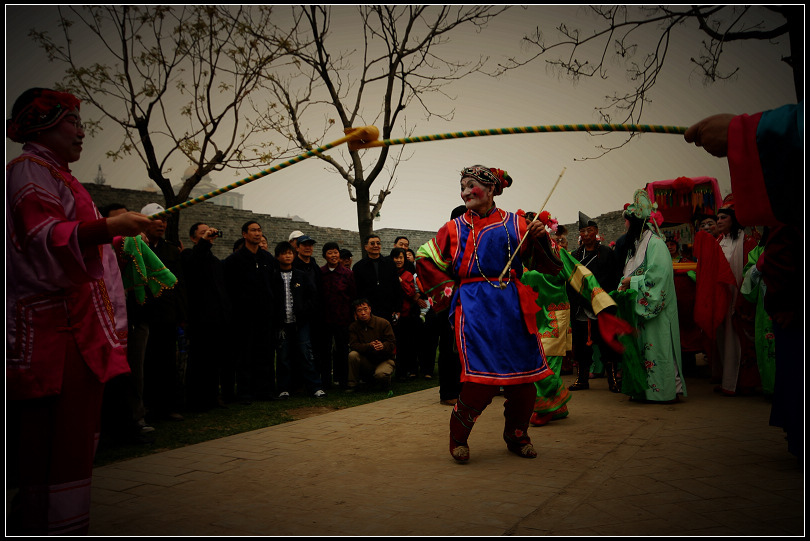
x=579 y=386
x=386 y=383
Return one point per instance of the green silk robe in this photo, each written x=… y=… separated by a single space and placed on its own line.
x=656 y=308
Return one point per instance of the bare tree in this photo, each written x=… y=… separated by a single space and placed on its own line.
x=175 y=79
x=616 y=36
x=396 y=65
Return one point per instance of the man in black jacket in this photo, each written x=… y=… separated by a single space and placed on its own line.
x=295 y=310
x=600 y=260
x=305 y=261
x=209 y=364
x=249 y=280
x=377 y=281
x=165 y=315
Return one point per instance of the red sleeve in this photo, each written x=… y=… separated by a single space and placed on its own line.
x=751 y=200
x=93 y=233
x=711 y=297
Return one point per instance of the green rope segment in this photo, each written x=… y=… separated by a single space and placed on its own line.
x=251 y=178
x=551 y=128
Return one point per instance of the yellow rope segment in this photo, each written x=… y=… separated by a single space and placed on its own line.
x=366 y=137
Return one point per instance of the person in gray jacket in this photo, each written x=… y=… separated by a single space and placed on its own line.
x=373 y=347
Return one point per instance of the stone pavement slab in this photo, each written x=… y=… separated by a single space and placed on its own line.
x=707 y=466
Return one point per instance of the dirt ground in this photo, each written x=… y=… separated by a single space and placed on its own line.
x=310 y=411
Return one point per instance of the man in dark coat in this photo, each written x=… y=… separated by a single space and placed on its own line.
x=600 y=260
x=249 y=281
x=166 y=315
x=209 y=363
x=377 y=281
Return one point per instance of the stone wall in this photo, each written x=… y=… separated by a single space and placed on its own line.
x=611 y=227
x=230 y=220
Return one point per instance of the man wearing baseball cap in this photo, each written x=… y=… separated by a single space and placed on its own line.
x=293 y=238
x=305 y=262
x=163 y=314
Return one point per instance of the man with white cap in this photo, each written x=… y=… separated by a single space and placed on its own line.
x=164 y=314
x=293 y=238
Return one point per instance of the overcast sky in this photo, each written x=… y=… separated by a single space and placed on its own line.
x=428 y=183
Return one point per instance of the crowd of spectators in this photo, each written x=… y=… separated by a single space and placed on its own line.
x=266 y=326
x=261 y=326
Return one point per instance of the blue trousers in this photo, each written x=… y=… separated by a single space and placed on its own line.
x=294 y=356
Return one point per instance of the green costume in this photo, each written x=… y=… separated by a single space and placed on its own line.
x=651 y=277
x=753 y=289
x=553 y=321
x=649 y=269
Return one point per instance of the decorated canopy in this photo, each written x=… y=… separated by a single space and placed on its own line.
x=681 y=199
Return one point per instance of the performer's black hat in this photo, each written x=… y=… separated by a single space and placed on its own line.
x=584 y=222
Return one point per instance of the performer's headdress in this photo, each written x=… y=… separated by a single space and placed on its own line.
x=642 y=208
x=496 y=177
x=728 y=205
x=704 y=214
x=728 y=208
x=38 y=109
x=585 y=221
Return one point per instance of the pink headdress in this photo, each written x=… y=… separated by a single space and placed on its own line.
x=38 y=109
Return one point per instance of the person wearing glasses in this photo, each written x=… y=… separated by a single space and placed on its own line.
x=377 y=280
x=66 y=319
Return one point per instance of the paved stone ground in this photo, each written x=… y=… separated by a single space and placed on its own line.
x=707 y=466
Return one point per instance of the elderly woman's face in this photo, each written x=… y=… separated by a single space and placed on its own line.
x=477 y=196
x=65 y=138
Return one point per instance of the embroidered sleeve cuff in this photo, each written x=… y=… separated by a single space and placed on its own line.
x=93 y=233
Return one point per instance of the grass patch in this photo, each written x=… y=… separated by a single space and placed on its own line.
x=239 y=418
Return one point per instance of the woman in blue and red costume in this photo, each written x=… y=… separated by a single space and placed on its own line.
x=495 y=327
x=66 y=324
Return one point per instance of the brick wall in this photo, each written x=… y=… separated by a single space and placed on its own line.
x=611 y=227
x=230 y=220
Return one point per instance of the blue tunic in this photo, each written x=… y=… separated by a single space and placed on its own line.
x=495 y=328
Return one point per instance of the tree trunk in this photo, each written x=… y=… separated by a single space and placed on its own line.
x=365 y=221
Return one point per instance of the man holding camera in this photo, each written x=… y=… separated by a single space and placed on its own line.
x=209 y=309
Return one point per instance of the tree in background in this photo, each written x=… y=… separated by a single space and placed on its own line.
x=176 y=79
x=394 y=63
x=618 y=37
